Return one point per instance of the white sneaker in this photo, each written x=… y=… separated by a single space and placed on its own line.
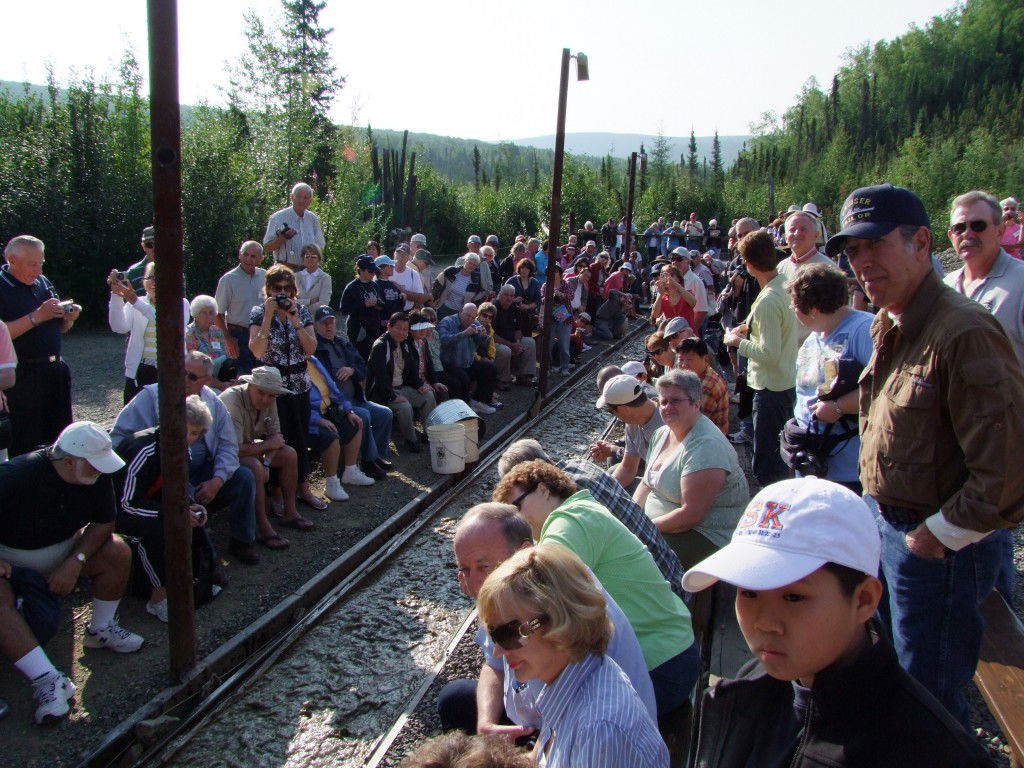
x=158 y=609
x=355 y=476
x=52 y=694
x=113 y=638
x=481 y=408
x=334 y=490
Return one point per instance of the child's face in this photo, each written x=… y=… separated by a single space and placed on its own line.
x=800 y=629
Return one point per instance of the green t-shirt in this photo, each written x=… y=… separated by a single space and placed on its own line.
x=704 y=447
x=627 y=572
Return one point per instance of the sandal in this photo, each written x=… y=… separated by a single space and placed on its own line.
x=274 y=541
x=299 y=523
x=316 y=502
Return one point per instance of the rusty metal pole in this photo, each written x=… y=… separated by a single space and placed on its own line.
x=554 y=225
x=628 y=237
x=165 y=133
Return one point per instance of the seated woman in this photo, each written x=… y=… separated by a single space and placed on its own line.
x=828 y=364
x=660 y=356
x=548 y=622
x=426 y=340
x=202 y=334
x=693 y=487
x=314 y=284
x=336 y=431
x=527 y=288
x=498 y=354
x=139 y=520
x=673 y=299
x=559 y=512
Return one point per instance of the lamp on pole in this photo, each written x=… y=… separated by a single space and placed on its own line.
x=555 y=219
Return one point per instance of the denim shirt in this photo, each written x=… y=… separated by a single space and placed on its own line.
x=457 y=350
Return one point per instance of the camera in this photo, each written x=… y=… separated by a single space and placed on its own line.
x=67 y=305
x=121 y=275
x=809 y=463
x=283 y=231
x=283 y=302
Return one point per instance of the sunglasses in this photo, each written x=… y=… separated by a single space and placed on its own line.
x=519 y=499
x=512 y=635
x=978 y=225
x=147 y=243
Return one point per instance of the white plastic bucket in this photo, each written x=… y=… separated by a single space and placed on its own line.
x=447 y=448
x=472 y=441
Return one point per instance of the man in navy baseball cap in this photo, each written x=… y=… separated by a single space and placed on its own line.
x=873 y=212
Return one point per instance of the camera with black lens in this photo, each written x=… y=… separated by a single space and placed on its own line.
x=283 y=302
x=283 y=231
x=808 y=463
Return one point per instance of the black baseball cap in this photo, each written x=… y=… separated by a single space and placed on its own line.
x=323 y=311
x=366 y=262
x=874 y=212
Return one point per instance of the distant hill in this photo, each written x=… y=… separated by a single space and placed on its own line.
x=621 y=144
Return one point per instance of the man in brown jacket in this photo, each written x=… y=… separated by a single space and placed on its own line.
x=941 y=421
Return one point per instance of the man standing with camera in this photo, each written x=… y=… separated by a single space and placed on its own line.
x=40 y=400
x=291 y=229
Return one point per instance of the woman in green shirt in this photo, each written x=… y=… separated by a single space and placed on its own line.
x=692 y=488
x=557 y=511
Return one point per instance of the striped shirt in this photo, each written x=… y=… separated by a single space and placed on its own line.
x=594 y=719
x=608 y=493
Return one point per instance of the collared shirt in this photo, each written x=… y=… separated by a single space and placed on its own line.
x=457 y=349
x=250 y=423
x=17 y=300
x=307 y=230
x=592 y=717
x=238 y=292
x=715 y=403
x=941 y=418
x=609 y=494
x=1001 y=292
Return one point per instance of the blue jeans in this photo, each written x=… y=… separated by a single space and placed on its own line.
x=1007 y=580
x=771 y=412
x=377 y=423
x=239 y=494
x=674 y=679
x=560 y=333
x=933 y=605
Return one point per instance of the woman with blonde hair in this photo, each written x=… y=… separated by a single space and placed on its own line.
x=548 y=621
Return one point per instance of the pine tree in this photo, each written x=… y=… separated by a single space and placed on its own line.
x=476 y=168
x=691 y=159
x=717 y=169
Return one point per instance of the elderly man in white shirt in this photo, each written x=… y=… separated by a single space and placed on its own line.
x=291 y=229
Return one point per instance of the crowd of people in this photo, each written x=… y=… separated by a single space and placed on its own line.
x=869 y=566
x=881 y=445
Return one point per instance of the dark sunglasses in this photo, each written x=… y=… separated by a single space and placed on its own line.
x=511 y=635
x=519 y=499
x=978 y=225
x=147 y=243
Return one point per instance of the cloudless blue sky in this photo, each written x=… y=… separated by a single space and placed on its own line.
x=489 y=70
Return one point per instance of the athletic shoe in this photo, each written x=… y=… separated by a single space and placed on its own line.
x=587 y=347
x=740 y=436
x=113 y=638
x=334 y=490
x=497 y=404
x=481 y=408
x=158 y=609
x=355 y=476
x=52 y=693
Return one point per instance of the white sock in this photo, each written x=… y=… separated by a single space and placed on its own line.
x=35 y=664
x=102 y=613
x=349 y=466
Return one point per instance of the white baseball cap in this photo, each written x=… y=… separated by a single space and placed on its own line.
x=89 y=441
x=789 y=530
x=620 y=390
x=633 y=368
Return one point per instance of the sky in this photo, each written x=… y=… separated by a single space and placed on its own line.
x=489 y=70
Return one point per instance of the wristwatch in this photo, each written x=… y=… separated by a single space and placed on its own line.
x=80 y=557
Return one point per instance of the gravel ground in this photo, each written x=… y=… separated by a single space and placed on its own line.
x=340 y=688
x=122 y=684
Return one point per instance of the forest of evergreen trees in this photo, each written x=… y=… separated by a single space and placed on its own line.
x=939 y=109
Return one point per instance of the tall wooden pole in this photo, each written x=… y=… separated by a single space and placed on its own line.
x=554 y=226
x=628 y=237
x=165 y=133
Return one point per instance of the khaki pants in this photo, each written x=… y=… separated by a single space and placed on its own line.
x=423 y=404
x=523 y=364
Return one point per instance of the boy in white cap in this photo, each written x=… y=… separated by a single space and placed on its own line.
x=825 y=687
x=56 y=526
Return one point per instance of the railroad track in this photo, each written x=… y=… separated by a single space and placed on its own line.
x=155 y=733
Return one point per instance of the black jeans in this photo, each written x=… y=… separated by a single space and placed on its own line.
x=293 y=412
x=482 y=372
x=771 y=412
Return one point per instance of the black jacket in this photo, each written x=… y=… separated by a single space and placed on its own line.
x=869 y=714
x=381 y=368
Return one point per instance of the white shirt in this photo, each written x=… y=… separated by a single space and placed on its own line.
x=410 y=280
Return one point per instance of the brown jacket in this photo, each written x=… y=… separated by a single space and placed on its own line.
x=941 y=412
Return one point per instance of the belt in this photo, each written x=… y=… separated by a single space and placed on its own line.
x=900 y=515
x=233 y=327
x=39 y=360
